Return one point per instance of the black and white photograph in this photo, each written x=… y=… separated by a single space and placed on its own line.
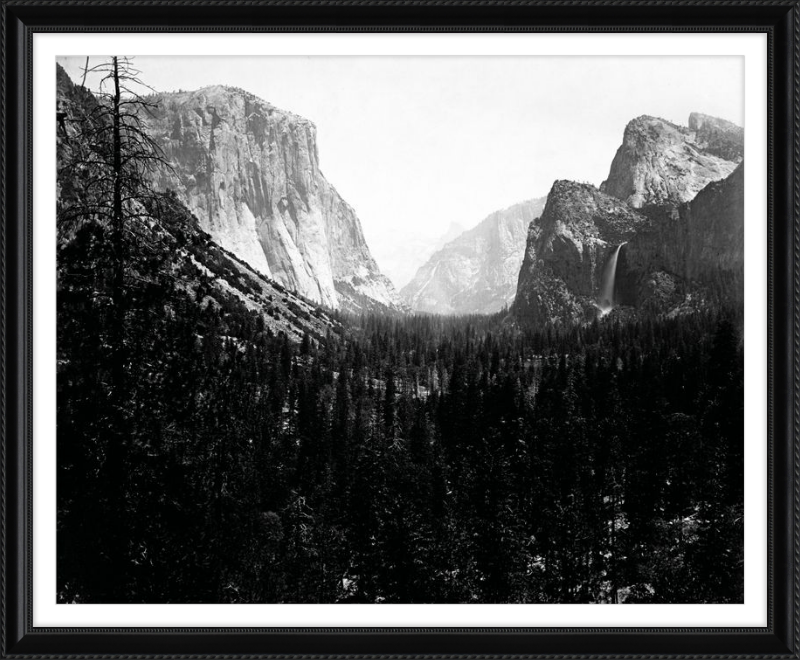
x=400 y=329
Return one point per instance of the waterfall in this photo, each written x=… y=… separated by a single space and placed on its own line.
x=606 y=301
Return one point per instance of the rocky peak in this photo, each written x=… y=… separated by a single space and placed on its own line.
x=661 y=163
x=719 y=137
x=645 y=132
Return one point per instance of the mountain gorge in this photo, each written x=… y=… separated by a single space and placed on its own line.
x=476 y=273
x=250 y=173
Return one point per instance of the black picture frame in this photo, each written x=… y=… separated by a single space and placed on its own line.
x=779 y=19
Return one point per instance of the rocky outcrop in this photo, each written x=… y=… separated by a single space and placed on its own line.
x=477 y=272
x=250 y=172
x=718 y=137
x=579 y=231
x=660 y=163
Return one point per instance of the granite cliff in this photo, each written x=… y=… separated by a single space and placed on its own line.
x=477 y=272
x=210 y=275
x=567 y=250
x=665 y=232
x=251 y=174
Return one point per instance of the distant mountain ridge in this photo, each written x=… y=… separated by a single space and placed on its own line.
x=477 y=272
x=400 y=255
x=251 y=174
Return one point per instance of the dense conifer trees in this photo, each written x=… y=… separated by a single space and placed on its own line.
x=410 y=460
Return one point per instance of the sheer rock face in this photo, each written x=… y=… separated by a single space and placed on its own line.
x=566 y=252
x=674 y=201
x=699 y=244
x=250 y=172
x=476 y=273
x=660 y=163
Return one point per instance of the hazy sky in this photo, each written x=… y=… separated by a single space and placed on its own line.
x=415 y=143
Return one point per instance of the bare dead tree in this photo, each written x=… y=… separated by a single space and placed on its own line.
x=108 y=161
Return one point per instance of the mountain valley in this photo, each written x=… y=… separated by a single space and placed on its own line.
x=550 y=411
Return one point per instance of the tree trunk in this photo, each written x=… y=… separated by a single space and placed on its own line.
x=116 y=526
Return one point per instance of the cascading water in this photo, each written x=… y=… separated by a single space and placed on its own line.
x=605 y=302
